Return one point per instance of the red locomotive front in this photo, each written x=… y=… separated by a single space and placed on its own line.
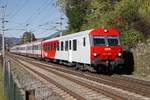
x=106 y=50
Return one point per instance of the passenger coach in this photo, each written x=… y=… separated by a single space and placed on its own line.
x=92 y=48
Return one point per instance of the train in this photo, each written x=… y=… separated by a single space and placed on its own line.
x=96 y=49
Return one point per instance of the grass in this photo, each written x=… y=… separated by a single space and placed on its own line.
x=2 y=97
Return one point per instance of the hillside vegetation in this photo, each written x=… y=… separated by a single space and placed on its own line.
x=131 y=17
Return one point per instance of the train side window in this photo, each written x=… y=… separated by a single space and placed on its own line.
x=51 y=47
x=44 y=46
x=84 y=42
x=66 y=45
x=62 y=46
x=58 y=46
x=48 y=46
x=70 y=45
x=74 y=45
x=39 y=47
x=54 y=46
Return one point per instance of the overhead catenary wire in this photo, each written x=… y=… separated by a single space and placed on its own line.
x=48 y=22
x=36 y=27
x=40 y=20
x=18 y=9
x=38 y=12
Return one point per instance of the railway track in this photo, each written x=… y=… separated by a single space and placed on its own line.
x=134 y=86
x=89 y=91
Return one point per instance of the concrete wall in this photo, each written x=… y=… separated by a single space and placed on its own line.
x=142 y=58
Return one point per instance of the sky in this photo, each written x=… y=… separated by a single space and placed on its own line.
x=42 y=17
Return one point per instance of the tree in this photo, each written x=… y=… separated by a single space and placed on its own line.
x=28 y=37
x=75 y=11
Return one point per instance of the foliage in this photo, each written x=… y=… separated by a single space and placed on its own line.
x=131 y=37
x=28 y=37
x=75 y=11
x=130 y=16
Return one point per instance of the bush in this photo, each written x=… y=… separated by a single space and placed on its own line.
x=131 y=37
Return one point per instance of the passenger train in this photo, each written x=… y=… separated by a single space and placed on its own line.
x=97 y=49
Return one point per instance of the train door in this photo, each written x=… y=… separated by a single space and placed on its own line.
x=70 y=52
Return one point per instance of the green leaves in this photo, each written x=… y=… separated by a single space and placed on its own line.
x=130 y=16
x=131 y=37
x=27 y=37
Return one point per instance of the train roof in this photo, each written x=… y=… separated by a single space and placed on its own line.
x=105 y=32
x=95 y=32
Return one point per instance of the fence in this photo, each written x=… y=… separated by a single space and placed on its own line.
x=12 y=91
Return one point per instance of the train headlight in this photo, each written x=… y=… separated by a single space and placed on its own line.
x=105 y=30
x=119 y=54
x=95 y=54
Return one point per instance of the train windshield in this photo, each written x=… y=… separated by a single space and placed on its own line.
x=103 y=41
x=113 y=41
x=99 y=41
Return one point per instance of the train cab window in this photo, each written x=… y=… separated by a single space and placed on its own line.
x=99 y=41
x=74 y=45
x=66 y=45
x=113 y=41
x=69 y=44
x=58 y=46
x=62 y=46
x=84 y=42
